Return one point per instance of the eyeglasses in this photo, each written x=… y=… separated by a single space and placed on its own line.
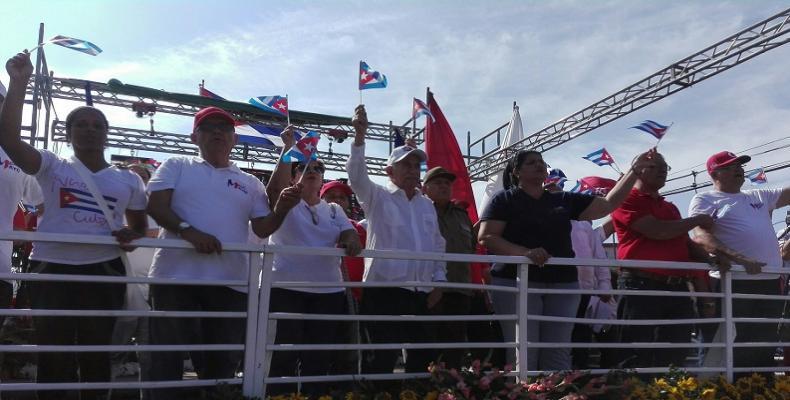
x=313 y=214
x=315 y=168
x=662 y=168
x=222 y=127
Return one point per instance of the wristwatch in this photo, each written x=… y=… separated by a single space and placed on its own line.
x=182 y=226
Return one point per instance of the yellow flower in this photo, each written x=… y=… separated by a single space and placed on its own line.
x=661 y=383
x=432 y=395
x=349 y=396
x=325 y=397
x=708 y=394
x=689 y=384
x=782 y=385
x=408 y=395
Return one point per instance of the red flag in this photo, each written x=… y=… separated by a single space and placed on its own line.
x=442 y=149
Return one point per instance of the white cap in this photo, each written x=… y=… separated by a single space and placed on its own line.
x=3 y=91
x=399 y=153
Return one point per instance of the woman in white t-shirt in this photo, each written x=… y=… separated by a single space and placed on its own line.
x=315 y=223
x=72 y=209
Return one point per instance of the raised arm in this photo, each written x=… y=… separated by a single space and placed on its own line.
x=784 y=198
x=22 y=154
x=356 y=167
x=603 y=206
x=281 y=177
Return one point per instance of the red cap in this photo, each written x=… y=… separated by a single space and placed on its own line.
x=336 y=184
x=212 y=112
x=723 y=159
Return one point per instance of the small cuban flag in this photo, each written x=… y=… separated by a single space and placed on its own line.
x=305 y=149
x=275 y=104
x=600 y=157
x=420 y=108
x=581 y=187
x=652 y=127
x=80 y=45
x=370 y=79
x=757 y=176
x=556 y=177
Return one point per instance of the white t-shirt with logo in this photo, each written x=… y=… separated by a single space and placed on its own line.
x=15 y=185
x=70 y=208
x=743 y=223
x=314 y=226
x=217 y=201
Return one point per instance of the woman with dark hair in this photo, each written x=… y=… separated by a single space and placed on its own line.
x=527 y=220
x=72 y=208
x=315 y=223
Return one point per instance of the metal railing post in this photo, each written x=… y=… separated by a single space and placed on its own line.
x=261 y=362
x=729 y=326
x=521 y=326
x=251 y=338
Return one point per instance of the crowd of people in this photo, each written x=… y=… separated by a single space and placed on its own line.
x=207 y=201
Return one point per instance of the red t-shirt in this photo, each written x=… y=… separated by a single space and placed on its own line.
x=634 y=246
x=356 y=265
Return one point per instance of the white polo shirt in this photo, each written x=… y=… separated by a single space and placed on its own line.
x=217 y=201
x=15 y=185
x=315 y=226
x=70 y=208
x=396 y=223
x=743 y=223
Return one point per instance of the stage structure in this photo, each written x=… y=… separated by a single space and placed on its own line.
x=719 y=57
x=44 y=87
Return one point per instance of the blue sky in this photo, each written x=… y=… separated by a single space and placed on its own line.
x=553 y=58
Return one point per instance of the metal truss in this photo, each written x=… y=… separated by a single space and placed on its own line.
x=734 y=50
x=163 y=142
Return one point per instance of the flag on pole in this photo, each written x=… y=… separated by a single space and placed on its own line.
x=581 y=187
x=652 y=127
x=419 y=108
x=370 y=79
x=253 y=133
x=80 y=45
x=515 y=133
x=757 y=176
x=597 y=185
x=276 y=104
x=600 y=157
x=398 y=139
x=556 y=177
x=305 y=149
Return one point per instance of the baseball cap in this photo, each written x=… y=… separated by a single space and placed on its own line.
x=336 y=184
x=438 y=172
x=212 y=112
x=723 y=159
x=399 y=153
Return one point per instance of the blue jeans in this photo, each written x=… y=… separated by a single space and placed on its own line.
x=559 y=305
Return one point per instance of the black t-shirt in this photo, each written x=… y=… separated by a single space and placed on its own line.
x=543 y=222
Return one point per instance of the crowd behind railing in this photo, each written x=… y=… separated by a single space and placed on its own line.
x=423 y=285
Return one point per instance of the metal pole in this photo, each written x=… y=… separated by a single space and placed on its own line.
x=729 y=326
x=521 y=327
x=250 y=340
x=36 y=83
x=48 y=109
x=262 y=358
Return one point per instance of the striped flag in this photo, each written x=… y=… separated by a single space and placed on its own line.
x=80 y=45
x=305 y=149
x=556 y=177
x=370 y=79
x=420 y=108
x=600 y=157
x=276 y=104
x=757 y=176
x=652 y=127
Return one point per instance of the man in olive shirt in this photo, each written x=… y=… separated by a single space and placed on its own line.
x=456 y=228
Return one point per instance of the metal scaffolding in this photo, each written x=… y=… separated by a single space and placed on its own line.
x=736 y=49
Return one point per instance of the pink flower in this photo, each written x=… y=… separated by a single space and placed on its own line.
x=508 y=368
x=484 y=383
x=571 y=377
x=446 y=396
x=476 y=367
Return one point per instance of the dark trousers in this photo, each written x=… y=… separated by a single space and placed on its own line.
x=60 y=366
x=397 y=301
x=305 y=363
x=582 y=333
x=167 y=366
x=6 y=293
x=452 y=303
x=485 y=331
x=755 y=308
x=654 y=307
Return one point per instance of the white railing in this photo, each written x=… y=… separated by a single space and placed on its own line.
x=257 y=348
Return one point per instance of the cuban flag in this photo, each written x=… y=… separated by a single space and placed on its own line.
x=581 y=187
x=253 y=133
x=80 y=45
x=275 y=104
x=370 y=79
x=757 y=176
x=653 y=128
x=81 y=200
x=556 y=177
x=419 y=108
x=600 y=157
x=305 y=149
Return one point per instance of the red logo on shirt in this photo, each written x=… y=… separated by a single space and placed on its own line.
x=236 y=185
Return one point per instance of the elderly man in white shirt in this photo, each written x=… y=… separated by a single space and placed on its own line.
x=399 y=218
